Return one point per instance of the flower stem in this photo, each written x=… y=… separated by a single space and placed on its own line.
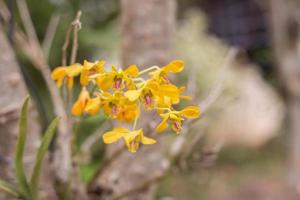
x=136 y=117
x=149 y=69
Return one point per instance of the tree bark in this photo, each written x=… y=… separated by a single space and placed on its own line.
x=285 y=18
x=148 y=28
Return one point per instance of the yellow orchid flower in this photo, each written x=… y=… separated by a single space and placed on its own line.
x=169 y=94
x=69 y=72
x=81 y=103
x=127 y=112
x=90 y=69
x=132 y=138
x=117 y=79
x=146 y=93
x=160 y=74
x=176 y=118
x=111 y=103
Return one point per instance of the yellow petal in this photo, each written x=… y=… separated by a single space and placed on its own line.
x=190 y=112
x=132 y=140
x=105 y=82
x=121 y=129
x=81 y=102
x=188 y=98
x=74 y=70
x=59 y=73
x=112 y=136
x=87 y=65
x=59 y=82
x=93 y=105
x=174 y=66
x=147 y=140
x=77 y=108
x=70 y=82
x=132 y=70
x=100 y=66
x=84 y=77
x=162 y=126
x=133 y=95
x=168 y=90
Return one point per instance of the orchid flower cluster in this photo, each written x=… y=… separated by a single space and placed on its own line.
x=121 y=94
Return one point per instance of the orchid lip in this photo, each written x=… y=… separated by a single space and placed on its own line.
x=114 y=109
x=117 y=83
x=177 y=126
x=148 y=100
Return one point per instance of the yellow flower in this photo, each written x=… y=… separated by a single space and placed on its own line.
x=81 y=103
x=132 y=138
x=169 y=94
x=90 y=69
x=146 y=93
x=127 y=111
x=175 y=66
x=116 y=78
x=176 y=117
x=69 y=72
x=111 y=103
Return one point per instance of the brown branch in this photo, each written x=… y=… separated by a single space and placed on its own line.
x=65 y=47
x=75 y=26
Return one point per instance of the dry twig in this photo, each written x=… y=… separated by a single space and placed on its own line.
x=50 y=33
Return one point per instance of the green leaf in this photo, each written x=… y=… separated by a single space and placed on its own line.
x=20 y=174
x=8 y=188
x=48 y=136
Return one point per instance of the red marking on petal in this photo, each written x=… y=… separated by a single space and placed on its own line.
x=148 y=100
x=113 y=109
x=117 y=84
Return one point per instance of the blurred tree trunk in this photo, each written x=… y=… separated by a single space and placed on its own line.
x=285 y=17
x=148 y=27
x=13 y=91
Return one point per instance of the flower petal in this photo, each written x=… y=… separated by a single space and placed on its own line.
x=112 y=136
x=70 y=82
x=81 y=102
x=162 y=126
x=168 y=90
x=175 y=66
x=93 y=105
x=132 y=70
x=59 y=73
x=133 y=95
x=77 y=108
x=147 y=140
x=190 y=112
x=84 y=77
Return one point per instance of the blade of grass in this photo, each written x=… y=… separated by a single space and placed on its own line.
x=19 y=168
x=48 y=136
x=9 y=189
